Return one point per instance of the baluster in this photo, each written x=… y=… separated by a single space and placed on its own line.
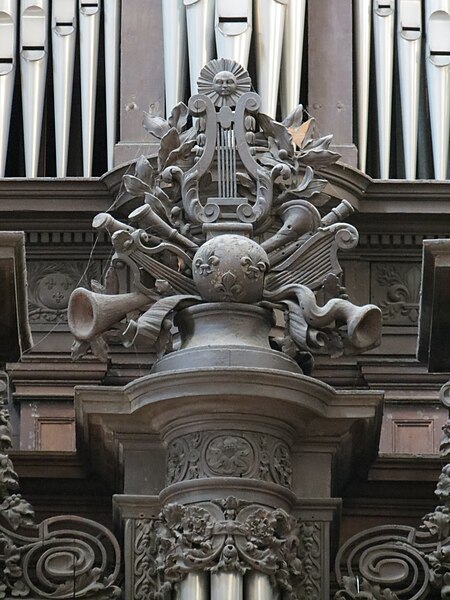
x=8 y=34
x=233 y=27
x=63 y=53
x=89 y=14
x=363 y=25
x=269 y=19
x=438 y=78
x=291 y=64
x=33 y=66
x=383 y=25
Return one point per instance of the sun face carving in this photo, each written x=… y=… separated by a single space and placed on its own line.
x=224 y=82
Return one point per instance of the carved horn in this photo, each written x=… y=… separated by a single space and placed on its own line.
x=298 y=218
x=90 y=314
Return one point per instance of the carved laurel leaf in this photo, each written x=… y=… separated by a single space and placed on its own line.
x=181 y=155
x=144 y=170
x=278 y=132
x=316 y=153
x=179 y=116
x=246 y=182
x=135 y=186
x=157 y=126
x=295 y=118
x=169 y=142
x=303 y=133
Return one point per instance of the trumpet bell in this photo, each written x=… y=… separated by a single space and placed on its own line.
x=364 y=327
x=90 y=314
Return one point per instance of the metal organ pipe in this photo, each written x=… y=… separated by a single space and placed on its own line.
x=291 y=64
x=226 y=586
x=112 y=37
x=258 y=587
x=63 y=46
x=269 y=19
x=363 y=26
x=8 y=34
x=233 y=29
x=200 y=32
x=437 y=56
x=195 y=586
x=33 y=64
x=383 y=26
x=409 y=35
x=89 y=19
x=174 y=36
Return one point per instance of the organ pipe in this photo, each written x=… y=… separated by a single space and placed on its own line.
x=409 y=27
x=8 y=35
x=291 y=64
x=437 y=56
x=33 y=65
x=89 y=19
x=63 y=45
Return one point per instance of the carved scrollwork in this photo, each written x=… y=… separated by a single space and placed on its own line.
x=217 y=536
x=396 y=289
x=209 y=454
x=389 y=557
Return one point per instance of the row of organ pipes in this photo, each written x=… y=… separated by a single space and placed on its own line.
x=195 y=31
x=31 y=19
x=404 y=20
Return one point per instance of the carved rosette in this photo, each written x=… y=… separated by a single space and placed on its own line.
x=219 y=536
x=227 y=454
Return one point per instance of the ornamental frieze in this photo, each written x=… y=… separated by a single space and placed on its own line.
x=226 y=454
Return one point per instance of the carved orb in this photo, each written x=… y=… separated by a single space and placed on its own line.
x=230 y=268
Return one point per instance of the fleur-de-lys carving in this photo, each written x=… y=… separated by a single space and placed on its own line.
x=252 y=270
x=228 y=287
x=205 y=265
x=217 y=536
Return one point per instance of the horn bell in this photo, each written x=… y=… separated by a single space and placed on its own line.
x=90 y=314
x=364 y=326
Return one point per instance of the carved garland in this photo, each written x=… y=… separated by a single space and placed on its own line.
x=219 y=536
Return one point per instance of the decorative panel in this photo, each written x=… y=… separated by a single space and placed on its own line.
x=50 y=285
x=395 y=289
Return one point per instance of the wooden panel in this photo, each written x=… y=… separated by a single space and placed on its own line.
x=412 y=436
x=55 y=434
x=46 y=425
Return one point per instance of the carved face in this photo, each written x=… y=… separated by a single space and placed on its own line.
x=224 y=83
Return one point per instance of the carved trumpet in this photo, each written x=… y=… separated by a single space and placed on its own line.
x=298 y=217
x=233 y=27
x=146 y=218
x=437 y=55
x=291 y=64
x=200 y=34
x=90 y=314
x=8 y=31
x=64 y=31
x=89 y=14
x=409 y=35
x=383 y=29
x=33 y=67
x=269 y=20
x=112 y=44
x=363 y=26
x=174 y=37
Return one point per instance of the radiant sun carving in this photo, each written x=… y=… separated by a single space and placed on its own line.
x=224 y=82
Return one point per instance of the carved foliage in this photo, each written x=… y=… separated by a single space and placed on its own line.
x=396 y=289
x=218 y=536
x=225 y=454
x=310 y=552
